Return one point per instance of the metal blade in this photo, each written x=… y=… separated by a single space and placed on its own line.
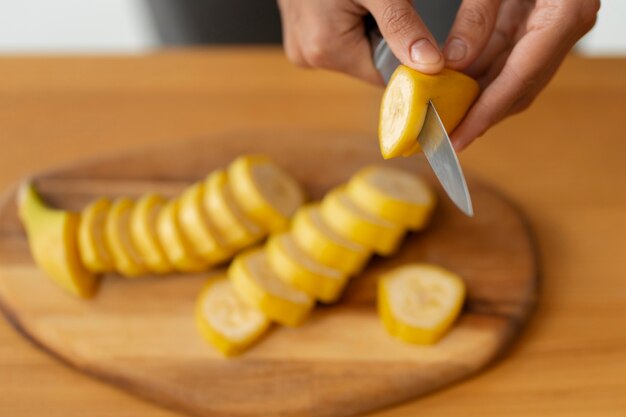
x=437 y=148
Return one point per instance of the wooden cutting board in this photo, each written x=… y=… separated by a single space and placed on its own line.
x=140 y=334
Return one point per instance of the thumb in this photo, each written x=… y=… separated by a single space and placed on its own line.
x=407 y=35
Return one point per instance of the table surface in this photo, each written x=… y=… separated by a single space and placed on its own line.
x=562 y=162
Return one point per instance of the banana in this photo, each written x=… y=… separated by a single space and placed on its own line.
x=321 y=243
x=393 y=194
x=94 y=253
x=199 y=228
x=52 y=237
x=266 y=193
x=419 y=302
x=236 y=229
x=350 y=221
x=126 y=257
x=178 y=249
x=143 y=225
x=296 y=268
x=405 y=102
x=225 y=321
x=259 y=286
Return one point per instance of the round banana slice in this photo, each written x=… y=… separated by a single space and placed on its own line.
x=199 y=228
x=419 y=302
x=94 y=253
x=225 y=321
x=233 y=225
x=393 y=194
x=266 y=193
x=323 y=244
x=259 y=286
x=178 y=249
x=143 y=230
x=126 y=257
x=353 y=223
x=296 y=268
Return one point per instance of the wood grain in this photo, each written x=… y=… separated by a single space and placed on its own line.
x=140 y=334
x=561 y=161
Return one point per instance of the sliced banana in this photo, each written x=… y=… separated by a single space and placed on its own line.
x=199 y=228
x=178 y=249
x=225 y=321
x=419 y=302
x=143 y=230
x=297 y=268
x=94 y=253
x=264 y=191
x=321 y=243
x=127 y=259
x=259 y=286
x=393 y=194
x=233 y=225
x=353 y=223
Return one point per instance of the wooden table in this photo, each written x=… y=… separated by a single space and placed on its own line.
x=563 y=162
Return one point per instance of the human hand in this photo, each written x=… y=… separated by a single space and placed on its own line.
x=512 y=47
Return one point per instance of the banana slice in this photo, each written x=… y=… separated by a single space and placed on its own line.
x=178 y=249
x=419 y=302
x=405 y=102
x=296 y=268
x=233 y=225
x=199 y=228
x=52 y=238
x=321 y=243
x=350 y=221
x=126 y=257
x=393 y=194
x=225 y=321
x=259 y=286
x=266 y=193
x=143 y=230
x=94 y=253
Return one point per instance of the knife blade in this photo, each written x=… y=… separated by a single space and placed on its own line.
x=433 y=138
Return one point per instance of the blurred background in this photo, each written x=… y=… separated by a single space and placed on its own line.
x=135 y=26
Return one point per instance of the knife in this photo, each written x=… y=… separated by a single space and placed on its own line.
x=433 y=139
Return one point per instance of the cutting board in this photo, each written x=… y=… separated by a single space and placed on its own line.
x=140 y=334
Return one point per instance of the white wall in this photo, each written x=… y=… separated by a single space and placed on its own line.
x=75 y=26
x=58 y=26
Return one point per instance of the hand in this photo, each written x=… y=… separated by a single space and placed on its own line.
x=512 y=47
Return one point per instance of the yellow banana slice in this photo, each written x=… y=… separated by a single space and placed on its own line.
x=266 y=193
x=199 y=228
x=52 y=238
x=393 y=194
x=326 y=246
x=178 y=249
x=94 y=253
x=353 y=223
x=232 y=224
x=225 y=321
x=259 y=286
x=126 y=257
x=419 y=302
x=143 y=230
x=296 y=268
x=405 y=101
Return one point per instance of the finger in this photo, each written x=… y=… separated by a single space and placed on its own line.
x=532 y=63
x=507 y=25
x=471 y=30
x=407 y=35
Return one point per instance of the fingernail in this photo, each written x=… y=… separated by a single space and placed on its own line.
x=455 y=50
x=424 y=52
